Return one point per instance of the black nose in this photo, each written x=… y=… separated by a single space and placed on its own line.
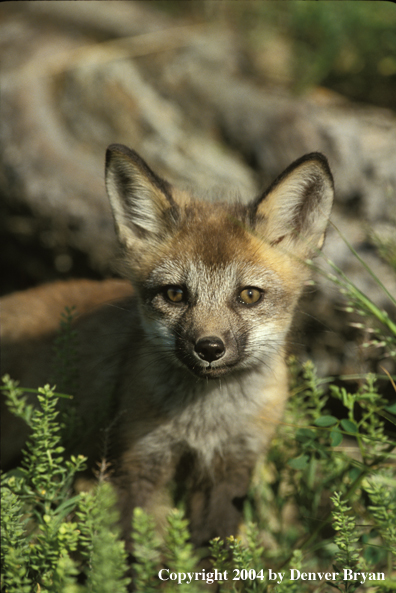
x=210 y=348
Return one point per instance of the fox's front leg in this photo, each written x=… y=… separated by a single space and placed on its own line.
x=216 y=504
x=140 y=482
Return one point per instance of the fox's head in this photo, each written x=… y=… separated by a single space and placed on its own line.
x=218 y=282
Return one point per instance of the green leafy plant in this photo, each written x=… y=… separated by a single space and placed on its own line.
x=50 y=535
x=45 y=525
x=35 y=542
x=179 y=552
x=104 y=552
x=146 y=552
x=348 y=554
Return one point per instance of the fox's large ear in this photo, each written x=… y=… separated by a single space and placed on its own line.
x=294 y=211
x=141 y=201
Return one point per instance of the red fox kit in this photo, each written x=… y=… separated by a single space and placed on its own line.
x=186 y=370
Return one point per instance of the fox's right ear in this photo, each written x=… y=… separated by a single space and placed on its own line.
x=141 y=201
x=293 y=213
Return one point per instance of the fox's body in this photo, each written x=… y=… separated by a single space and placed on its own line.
x=186 y=373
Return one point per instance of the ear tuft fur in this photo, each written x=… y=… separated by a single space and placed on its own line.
x=295 y=209
x=141 y=201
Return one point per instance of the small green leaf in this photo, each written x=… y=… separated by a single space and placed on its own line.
x=349 y=426
x=390 y=417
x=354 y=473
x=326 y=421
x=299 y=462
x=336 y=438
x=391 y=408
x=304 y=434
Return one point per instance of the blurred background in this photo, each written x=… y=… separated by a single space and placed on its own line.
x=212 y=95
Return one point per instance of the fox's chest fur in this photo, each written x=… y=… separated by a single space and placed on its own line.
x=233 y=416
x=186 y=377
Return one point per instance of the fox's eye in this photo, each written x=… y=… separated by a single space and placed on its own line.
x=174 y=294
x=250 y=295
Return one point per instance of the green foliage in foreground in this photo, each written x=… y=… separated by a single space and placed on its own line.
x=54 y=540
x=48 y=532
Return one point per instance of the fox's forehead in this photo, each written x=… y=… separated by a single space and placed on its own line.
x=216 y=248
x=200 y=273
x=200 y=278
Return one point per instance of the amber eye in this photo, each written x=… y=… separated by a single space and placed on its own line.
x=174 y=294
x=250 y=296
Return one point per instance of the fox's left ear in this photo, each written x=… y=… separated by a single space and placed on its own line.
x=294 y=211
x=143 y=208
